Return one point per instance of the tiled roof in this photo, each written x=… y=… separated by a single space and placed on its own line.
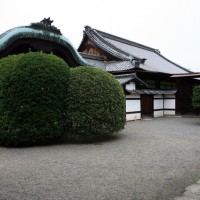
x=151 y=91
x=32 y=32
x=113 y=66
x=126 y=78
x=96 y=63
x=109 y=66
x=105 y=45
x=154 y=60
x=125 y=49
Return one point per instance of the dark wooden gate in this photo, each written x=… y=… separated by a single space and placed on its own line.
x=147 y=105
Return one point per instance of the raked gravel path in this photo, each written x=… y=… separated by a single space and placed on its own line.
x=150 y=160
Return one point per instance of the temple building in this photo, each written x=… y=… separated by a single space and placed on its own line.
x=154 y=85
x=151 y=82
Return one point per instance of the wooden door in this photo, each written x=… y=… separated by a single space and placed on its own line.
x=147 y=105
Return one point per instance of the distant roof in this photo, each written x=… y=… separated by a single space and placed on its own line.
x=149 y=58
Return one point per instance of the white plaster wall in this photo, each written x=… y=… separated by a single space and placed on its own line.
x=133 y=105
x=169 y=112
x=158 y=96
x=130 y=86
x=133 y=96
x=158 y=104
x=134 y=116
x=169 y=104
x=159 y=113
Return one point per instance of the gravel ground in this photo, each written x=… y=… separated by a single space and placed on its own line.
x=151 y=160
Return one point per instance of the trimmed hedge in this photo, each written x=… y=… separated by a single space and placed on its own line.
x=33 y=90
x=95 y=104
x=196 y=97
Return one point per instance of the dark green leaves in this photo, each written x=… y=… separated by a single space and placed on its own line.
x=33 y=89
x=95 y=104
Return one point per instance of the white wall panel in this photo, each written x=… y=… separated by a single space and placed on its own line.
x=133 y=105
x=133 y=96
x=134 y=116
x=130 y=86
x=169 y=104
x=158 y=104
x=159 y=113
x=169 y=112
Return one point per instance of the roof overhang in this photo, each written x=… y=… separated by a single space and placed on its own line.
x=153 y=92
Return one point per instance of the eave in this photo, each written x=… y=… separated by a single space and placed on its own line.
x=188 y=75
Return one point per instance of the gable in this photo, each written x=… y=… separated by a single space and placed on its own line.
x=88 y=47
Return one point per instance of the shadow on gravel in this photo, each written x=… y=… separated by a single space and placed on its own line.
x=96 y=140
x=65 y=140
x=193 y=123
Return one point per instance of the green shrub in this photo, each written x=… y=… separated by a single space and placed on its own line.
x=196 y=97
x=33 y=90
x=96 y=104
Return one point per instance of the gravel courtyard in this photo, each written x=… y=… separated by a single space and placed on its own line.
x=151 y=160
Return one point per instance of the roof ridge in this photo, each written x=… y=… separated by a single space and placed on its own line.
x=120 y=39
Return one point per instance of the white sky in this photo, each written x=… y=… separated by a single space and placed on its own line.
x=172 y=26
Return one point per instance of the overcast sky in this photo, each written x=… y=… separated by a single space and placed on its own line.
x=172 y=26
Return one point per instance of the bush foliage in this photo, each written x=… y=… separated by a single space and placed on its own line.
x=33 y=90
x=40 y=98
x=95 y=104
x=196 y=97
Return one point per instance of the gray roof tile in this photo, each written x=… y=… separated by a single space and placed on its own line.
x=128 y=50
x=151 y=91
x=154 y=60
x=125 y=78
x=111 y=66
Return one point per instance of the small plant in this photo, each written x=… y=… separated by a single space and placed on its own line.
x=95 y=104
x=33 y=90
x=196 y=97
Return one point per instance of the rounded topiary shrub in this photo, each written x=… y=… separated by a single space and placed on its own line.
x=96 y=104
x=33 y=90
